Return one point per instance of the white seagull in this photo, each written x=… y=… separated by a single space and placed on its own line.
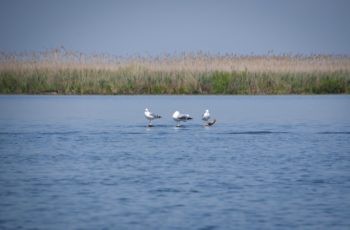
x=151 y=116
x=177 y=116
x=206 y=115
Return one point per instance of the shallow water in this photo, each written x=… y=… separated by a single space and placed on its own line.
x=90 y=162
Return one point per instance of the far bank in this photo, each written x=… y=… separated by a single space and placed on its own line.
x=58 y=72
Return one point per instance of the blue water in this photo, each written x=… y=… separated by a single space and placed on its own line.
x=89 y=162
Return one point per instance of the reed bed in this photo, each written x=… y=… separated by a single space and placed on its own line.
x=59 y=71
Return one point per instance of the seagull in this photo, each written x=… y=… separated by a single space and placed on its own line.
x=151 y=116
x=206 y=115
x=177 y=116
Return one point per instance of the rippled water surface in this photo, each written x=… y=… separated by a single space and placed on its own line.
x=89 y=162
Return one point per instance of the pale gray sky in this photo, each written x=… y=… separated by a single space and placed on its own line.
x=155 y=27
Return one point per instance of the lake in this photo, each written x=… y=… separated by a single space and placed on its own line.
x=90 y=162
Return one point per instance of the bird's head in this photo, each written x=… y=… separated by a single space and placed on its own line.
x=176 y=113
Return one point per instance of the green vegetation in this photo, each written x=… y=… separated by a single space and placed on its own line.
x=62 y=72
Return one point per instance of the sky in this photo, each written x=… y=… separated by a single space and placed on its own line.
x=156 y=27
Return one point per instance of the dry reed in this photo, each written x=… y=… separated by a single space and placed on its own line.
x=68 y=72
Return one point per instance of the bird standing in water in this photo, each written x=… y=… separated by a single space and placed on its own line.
x=177 y=116
x=151 y=116
x=206 y=117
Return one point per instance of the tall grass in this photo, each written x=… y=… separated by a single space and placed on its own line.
x=67 y=72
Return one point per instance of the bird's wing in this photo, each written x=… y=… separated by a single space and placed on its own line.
x=181 y=117
x=184 y=117
x=210 y=123
x=155 y=115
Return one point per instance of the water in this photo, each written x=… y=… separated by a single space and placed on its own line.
x=89 y=162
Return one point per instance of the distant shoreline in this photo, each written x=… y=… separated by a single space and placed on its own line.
x=59 y=72
x=174 y=95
